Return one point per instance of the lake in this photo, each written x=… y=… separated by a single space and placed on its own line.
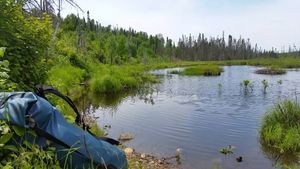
x=200 y=115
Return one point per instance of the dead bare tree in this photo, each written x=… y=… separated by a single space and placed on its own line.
x=49 y=6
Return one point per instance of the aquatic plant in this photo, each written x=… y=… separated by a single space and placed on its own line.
x=265 y=85
x=174 y=72
x=245 y=83
x=202 y=70
x=220 y=85
x=226 y=150
x=280 y=129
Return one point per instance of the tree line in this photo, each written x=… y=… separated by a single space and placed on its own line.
x=118 y=44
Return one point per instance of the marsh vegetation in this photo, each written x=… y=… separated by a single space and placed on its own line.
x=271 y=71
x=280 y=128
x=201 y=70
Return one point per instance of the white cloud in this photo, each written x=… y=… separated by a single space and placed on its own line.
x=269 y=23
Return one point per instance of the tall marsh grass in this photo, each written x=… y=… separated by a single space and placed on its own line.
x=114 y=79
x=280 y=129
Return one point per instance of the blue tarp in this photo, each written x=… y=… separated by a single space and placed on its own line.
x=90 y=151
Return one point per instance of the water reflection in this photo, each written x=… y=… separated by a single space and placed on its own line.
x=281 y=160
x=90 y=102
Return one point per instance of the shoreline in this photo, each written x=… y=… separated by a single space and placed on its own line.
x=138 y=160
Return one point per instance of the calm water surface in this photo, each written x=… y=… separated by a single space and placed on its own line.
x=200 y=116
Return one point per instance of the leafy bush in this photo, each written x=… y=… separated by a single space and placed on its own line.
x=22 y=154
x=26 y=39
x=5 y=85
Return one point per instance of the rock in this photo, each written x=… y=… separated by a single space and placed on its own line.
x=107 y=126
x=126 y=137
x=128 y=151
x=143 y=155
x=239 y=159
x=178 y=151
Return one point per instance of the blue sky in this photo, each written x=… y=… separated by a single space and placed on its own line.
x=270 y=23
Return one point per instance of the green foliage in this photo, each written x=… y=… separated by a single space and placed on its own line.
x=280 y=129
x=205 y=70
x=26 y=39
x=23 y=154
x=5 y=84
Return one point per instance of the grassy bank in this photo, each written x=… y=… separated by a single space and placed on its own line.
x=280 y=129
x=281 y=62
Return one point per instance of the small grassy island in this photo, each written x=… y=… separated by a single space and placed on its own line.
x=280 y=129
x=201 y=70
x=271 y=71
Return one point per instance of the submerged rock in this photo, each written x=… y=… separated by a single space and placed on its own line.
x=126 y=137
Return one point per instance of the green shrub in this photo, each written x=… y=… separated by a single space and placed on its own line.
x=27 y=39
x=22 y=154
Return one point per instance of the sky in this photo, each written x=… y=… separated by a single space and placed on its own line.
x=269 y=23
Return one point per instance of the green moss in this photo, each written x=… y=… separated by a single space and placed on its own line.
x=203 y=70
x=280 y=129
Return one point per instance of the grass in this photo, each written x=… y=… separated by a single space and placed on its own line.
x=115 y=79
x=280 y=129
x=203 y=70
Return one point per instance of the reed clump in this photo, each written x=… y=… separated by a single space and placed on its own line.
x=280 y=129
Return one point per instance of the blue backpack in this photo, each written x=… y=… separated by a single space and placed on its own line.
x=33 y=111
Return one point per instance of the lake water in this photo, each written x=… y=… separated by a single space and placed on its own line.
x=200 y=115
